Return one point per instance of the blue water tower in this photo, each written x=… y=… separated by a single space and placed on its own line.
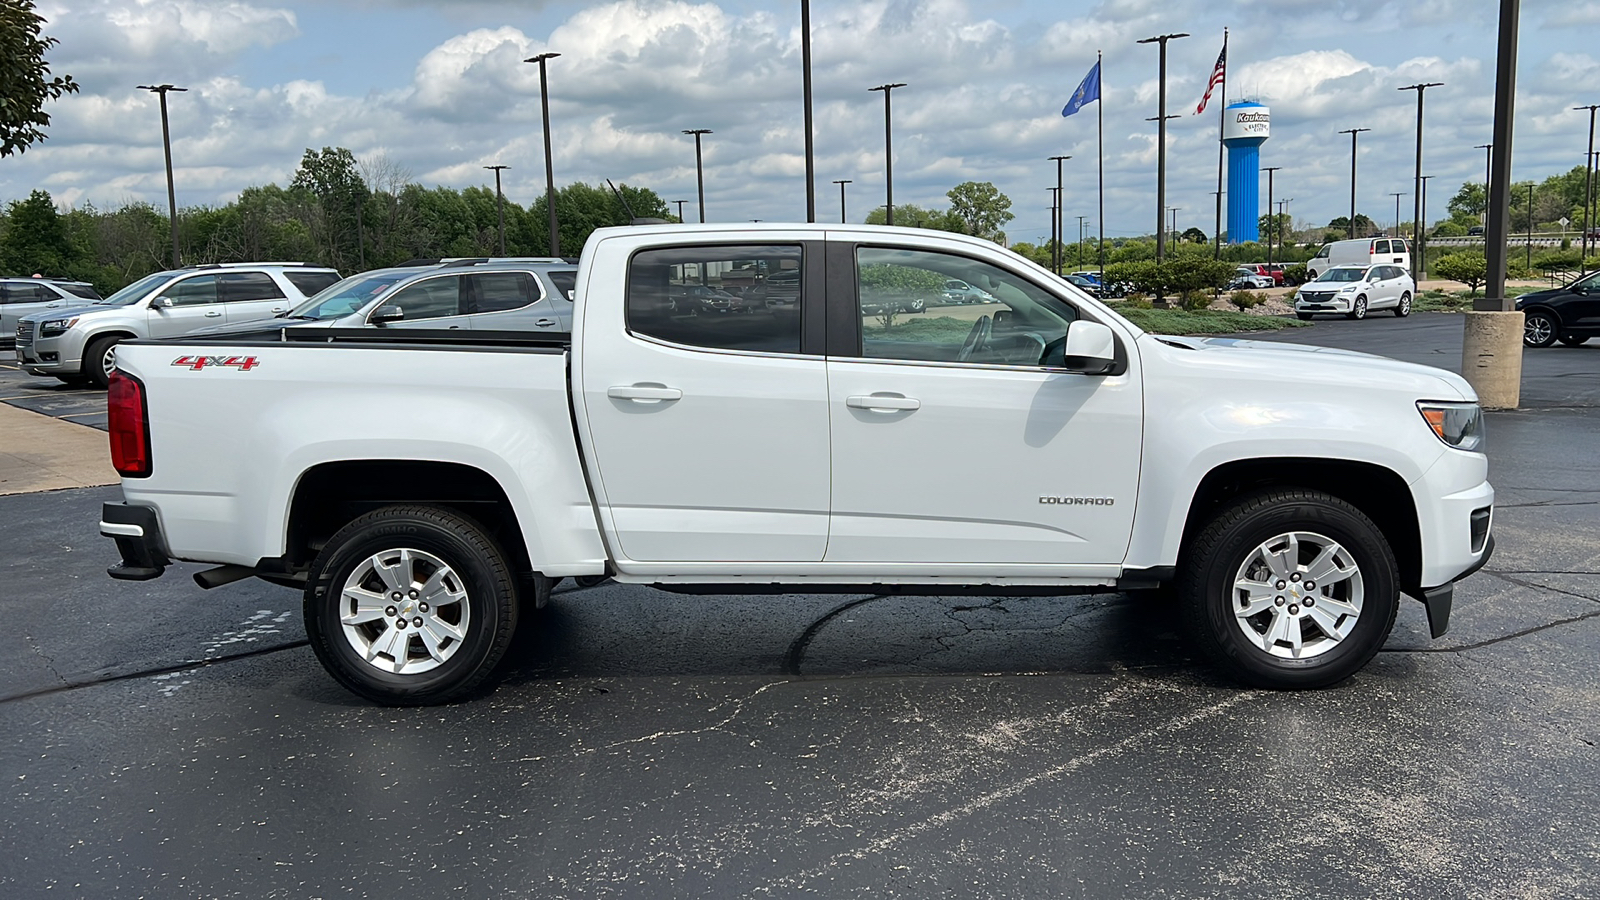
x=1246 y=125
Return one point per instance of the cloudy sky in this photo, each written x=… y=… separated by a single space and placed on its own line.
x=438 y=87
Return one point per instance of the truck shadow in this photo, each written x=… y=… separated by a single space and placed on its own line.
x=628 y=631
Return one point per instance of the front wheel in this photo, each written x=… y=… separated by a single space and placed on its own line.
x=1539 y=329
x=410 y=605
x=1290 y=589
x=1574 y=340
x=99 y=359
x=1404 y=308
x=1358 y=310
x=1304 y=317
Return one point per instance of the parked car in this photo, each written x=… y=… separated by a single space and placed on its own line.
x=701 y=298
x=25 y=296
x=1568 y=314
x=958 y=291
x=1362 y=252
x=482 y=294
x=1353 y=291
x=1088 y=274
x=1249 y=278
x=421 y=497
x=78 y=344
x=1475 y=231
x=1092 y=288
x=1273 y=273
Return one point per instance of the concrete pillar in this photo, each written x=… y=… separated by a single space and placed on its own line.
x=1491 y=357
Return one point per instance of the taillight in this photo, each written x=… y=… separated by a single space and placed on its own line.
x=129 y=422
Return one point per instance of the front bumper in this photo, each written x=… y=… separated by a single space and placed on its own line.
x=1322 y=304
x=137 y=532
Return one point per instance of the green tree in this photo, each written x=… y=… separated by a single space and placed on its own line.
x=333 y=179
x=910 y=215
x=35 y=239
x=1364 y=225
x=1470 y=269
x=25 y=81
x=981 y=208
x=1469 y=203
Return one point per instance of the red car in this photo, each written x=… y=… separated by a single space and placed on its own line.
x=1274 y=271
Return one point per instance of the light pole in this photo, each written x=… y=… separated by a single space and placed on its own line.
x=1077 y=249
x=166 y=145
x=500 y=205
x=1272 y=223
x=1488 y=162
x=680 y=208
x=1161 y=134
x=1420 y=258
x=549 y=170
x=1283 y=213
x=1055 y=230
x=888 y=148
x=1588 y=188
x=699 y=168
x=1353 y=132
x=1397 y=195
x=1416 y=187
x=841 y=185
x=1060 y=226
x=1527 y=256
x=1172 y=232
x=805 y=89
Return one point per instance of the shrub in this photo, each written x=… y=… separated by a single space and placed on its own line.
x=1137 y=301
x=1194 y=300
x=1295 y=274
x=1244 y=300
x=1470 y=269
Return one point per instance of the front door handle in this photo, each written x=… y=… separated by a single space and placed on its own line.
x=279 y=308
x=882 y=402
x=643 y=393
x=213 y=314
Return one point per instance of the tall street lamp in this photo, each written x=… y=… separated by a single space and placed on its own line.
x=1055 y=230
x=1272 y=223
x=699 y=168
x=888 y=148
x=549 y=170
x=1353 y=132
x=1420 y=260
x=166 y=145
x=1161 y=134
x=841 y=185
x=1588 y=186
x=805 y=89
x=680 y=208
x=1077 y=248
x=1416 y=187
x=1172 y=232
x=1060 y=225
x=500 y=205
x=1397 y=195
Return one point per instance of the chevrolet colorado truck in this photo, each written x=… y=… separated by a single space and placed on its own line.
x=424 y=488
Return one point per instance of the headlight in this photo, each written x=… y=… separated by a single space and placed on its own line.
x=1458 y=424
x=56 y=326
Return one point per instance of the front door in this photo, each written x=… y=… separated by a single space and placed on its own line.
x=191 y=303
x=708 y=433
x=953 y=445
x=434 y=302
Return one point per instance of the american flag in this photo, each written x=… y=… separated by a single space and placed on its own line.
x=1218 y=76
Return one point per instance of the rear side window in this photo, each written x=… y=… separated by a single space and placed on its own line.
x=237 y=287
x=717 y=297
x=196 y=291
x=25 y=293
x=310 y=283
x=566 y=282
x=85 y=291
x=502 y=291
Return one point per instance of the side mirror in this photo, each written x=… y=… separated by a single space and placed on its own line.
x=386 y=314
x=160 y=303
x=1090 y=348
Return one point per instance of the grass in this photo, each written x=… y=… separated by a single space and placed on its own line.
x=934 y=330
x=1207 y=321
x=1456 y=301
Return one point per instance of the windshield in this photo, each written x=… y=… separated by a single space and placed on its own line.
x=135 y=292
x=348 y=296
x=1343 y=274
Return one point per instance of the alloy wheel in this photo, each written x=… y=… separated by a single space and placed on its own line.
x=404 y=611
x=1297 y=595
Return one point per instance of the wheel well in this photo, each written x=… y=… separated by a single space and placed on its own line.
x=332 y=494
x=1378 y=492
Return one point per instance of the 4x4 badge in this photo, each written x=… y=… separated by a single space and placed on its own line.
x=242 y=363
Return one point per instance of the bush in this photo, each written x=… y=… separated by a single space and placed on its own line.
x=1294 y=275
x=1470 y=269
x=1566 y=258
x=1137 y=301
x=1245 y=300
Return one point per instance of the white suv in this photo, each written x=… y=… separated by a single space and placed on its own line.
x=25 y=296
x=1352 y=291
x=78 y=345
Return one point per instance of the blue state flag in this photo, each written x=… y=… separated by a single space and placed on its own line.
x=1087 y=92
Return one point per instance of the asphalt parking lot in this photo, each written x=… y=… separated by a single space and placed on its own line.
x=164 y=741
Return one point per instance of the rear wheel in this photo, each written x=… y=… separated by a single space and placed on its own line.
x=99 y=358
x=1290 y=589
x=1403 y=309
x=410 y=605
x=1539 y=329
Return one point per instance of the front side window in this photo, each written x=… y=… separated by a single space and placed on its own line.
x=196 y=291
x=910 y=310
x=238 y=287
x=502 y=291
x=1322 y=253
x=717 y=296
x=431 y=298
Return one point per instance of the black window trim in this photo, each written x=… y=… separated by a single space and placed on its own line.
x=161 y=290
x=223 y=292
x=844 y=306
x=395 y=289
x=472 y=291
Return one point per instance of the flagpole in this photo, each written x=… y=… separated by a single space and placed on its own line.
x=1222 y=105
x=1100 y=155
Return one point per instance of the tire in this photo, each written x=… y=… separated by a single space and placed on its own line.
x=589 y=581
x=1404 y=308
x=917 y=305
x=1358 y=310
x=1304 y=317
x=1573 y=340
x=1352 y=615
x=471 y=625
x=1539 y=329
x=76 y=381
x=99 y=358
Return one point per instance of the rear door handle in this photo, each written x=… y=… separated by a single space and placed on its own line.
x=882 y=402
x=544 y=323
x=643 y=393
x=279 y=308
x=213 y=314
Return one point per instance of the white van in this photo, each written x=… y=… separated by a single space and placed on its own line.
x=1363 y=252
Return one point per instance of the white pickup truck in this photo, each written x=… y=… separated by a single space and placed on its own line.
x=815 y=430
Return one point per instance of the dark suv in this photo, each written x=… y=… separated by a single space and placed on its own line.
x=1569 y=314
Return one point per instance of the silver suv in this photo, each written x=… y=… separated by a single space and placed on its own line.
x=25 y=296
x=532 y=294
x=78 y=345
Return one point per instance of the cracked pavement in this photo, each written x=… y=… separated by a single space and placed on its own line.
x=164 y=741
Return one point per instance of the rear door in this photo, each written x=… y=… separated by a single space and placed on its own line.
x=193 y=302
x=18 y=299
x=510 y=301
x=247 y=296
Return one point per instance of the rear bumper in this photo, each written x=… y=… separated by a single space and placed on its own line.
x=137 y=532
